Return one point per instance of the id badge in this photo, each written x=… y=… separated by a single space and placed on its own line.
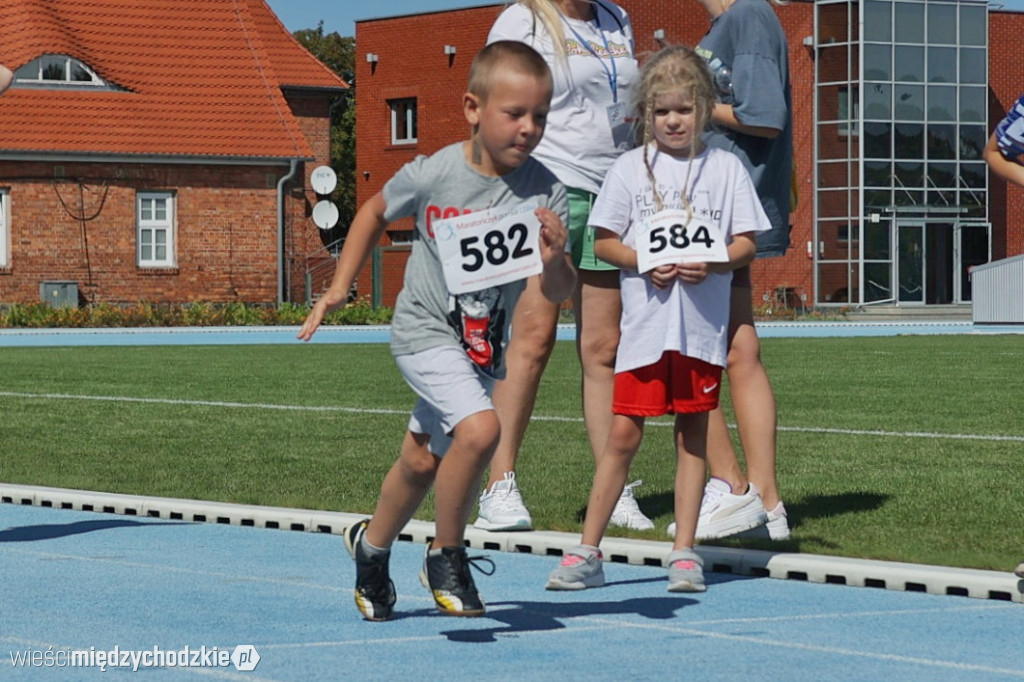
x=621 y=126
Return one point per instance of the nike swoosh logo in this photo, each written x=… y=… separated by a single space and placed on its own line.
x=708 y=389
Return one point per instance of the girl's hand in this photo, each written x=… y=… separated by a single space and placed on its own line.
x=692 y=273
x=663 y=276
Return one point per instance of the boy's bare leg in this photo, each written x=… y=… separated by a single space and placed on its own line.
x=459 y=474
x=533 y=338
x=403 y=490
x=754 y=403
x=598 y=309
x=610 y=477
x=691 y=468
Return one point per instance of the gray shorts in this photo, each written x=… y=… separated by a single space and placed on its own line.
x=450 y=388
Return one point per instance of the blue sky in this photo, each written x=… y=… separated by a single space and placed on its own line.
x=340 y=15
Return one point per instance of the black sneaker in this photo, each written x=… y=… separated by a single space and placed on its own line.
x=375 y=593
x=447 y=577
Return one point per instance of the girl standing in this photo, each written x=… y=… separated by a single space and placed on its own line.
x=677 y=217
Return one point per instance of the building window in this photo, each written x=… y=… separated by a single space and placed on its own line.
x=59 y=70
x=5 y=237
x=848 y=116
x=403 y=120
x=155 y=231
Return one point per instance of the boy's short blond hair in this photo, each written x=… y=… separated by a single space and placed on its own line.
x=508 y=55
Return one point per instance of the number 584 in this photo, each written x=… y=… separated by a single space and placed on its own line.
x=678 y=237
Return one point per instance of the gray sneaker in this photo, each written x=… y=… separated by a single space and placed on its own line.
x=685 y=571
x=579 y=569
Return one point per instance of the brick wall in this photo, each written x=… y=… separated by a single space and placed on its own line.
x=1006 y=84
x=77 y=222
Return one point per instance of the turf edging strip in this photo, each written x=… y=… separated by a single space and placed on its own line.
x=816 y=568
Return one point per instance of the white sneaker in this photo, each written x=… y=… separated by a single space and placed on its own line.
x=627 y=514
x=1020 y=570
x=502 y=508
x=778 y=523
x=776 y=528
x=723 y=514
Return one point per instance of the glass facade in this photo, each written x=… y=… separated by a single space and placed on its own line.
x=901 y=112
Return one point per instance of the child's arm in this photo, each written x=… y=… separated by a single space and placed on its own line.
x=609 y=248
x=558 y=279
x=725 y=115
x=363 y=234
x=1005 y=168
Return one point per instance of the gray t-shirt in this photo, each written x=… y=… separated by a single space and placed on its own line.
x=745 y=48
x=426 y=314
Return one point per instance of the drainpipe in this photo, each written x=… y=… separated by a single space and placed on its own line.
x=293 y=167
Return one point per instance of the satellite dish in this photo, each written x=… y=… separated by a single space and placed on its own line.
x=323 y=179
x=325 y=214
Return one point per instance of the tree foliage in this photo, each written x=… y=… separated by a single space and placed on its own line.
x=338 y=54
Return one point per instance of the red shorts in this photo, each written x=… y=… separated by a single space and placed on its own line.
x=675 y=384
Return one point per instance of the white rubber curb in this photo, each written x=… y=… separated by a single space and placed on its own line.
x=998 y=585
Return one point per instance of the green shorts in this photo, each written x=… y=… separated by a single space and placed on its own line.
x=580 y=235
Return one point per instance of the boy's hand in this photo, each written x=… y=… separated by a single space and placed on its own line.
x=553 y=235
x=320 y=309
x=558 y=279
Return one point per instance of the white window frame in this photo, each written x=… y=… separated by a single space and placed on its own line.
x=849 y=121
x=403 y=116
x=35 y=72
x=150 y=226
x=5 y=221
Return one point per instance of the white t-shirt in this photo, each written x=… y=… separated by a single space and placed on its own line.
x=692 y=319
x=579 y=145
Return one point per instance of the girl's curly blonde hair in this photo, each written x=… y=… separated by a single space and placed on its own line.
x=673 y=69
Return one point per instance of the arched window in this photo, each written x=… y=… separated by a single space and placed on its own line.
x=58 y=70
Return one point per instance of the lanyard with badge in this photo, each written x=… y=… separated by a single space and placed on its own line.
x=616 y=111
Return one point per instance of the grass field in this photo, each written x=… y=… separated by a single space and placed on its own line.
x=897 y=448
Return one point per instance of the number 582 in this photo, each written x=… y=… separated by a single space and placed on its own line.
x=496 y=249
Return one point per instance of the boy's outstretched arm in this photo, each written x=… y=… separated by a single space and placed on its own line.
x=363 y=234
x=558 y=279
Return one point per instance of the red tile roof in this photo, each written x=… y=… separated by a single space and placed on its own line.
x=202 y=78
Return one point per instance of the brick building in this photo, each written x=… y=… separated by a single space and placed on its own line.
x=156 y=153
x=895 y=203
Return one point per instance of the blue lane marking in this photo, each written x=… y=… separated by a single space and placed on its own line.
x=194 y=336
x=81 y=580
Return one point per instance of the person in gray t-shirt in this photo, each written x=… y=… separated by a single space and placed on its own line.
x=474 y=202
x=745 y=49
